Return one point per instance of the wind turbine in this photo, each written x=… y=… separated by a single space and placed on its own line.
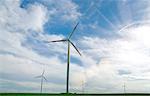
x=68 y=56
x=124 y=88
x=83 y=81
x=42 y=78
x=83 y=85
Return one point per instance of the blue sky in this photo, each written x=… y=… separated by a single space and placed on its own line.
x=113 y=37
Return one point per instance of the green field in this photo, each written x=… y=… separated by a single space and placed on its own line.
x=71 y=94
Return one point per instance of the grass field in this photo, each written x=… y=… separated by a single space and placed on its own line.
x=71 y=94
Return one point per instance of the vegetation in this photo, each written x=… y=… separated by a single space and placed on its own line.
x=73 y=94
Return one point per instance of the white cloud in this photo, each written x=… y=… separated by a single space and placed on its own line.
x=65 y=10
x=68 y=10
x=130 y=53
x=22 y=19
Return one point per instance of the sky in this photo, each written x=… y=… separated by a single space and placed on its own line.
x=112 y=36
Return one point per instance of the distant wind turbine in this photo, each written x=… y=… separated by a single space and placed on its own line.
x=124 y=88
x=83 y=82
x=68 y=56
x=83 y=85
x=42 y=78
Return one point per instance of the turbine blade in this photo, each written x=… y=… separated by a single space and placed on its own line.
x=75 y=48
x=45 y=78
x=46 y=42
x=73 y=30
x=63 y=40
x=38 y=76
x=43 y=72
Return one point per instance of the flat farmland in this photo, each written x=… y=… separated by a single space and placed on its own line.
x=73 y=94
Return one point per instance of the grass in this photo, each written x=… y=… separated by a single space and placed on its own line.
x=73 y=94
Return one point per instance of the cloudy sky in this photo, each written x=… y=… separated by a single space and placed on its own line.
x=113 y=37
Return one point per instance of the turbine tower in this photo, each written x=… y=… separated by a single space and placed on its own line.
x=68 y=56
x=42 y=78
x=83 y=85
x=124 y=88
